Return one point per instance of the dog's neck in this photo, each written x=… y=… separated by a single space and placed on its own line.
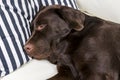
x=90 y=23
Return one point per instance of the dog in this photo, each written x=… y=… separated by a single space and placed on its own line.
x=83 y=47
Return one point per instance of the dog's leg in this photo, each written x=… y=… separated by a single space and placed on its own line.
x=64 y=73
x=66 y=60
x=60 y=57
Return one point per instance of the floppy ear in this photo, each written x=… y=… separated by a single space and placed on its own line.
x=73 y=17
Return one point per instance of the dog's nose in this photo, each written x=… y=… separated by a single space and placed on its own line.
x=28 y=47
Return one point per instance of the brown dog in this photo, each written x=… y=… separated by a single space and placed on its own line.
x=83 y=47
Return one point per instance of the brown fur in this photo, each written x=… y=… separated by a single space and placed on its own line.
x=83 y=47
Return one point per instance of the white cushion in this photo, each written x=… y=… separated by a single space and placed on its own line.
x=106 y=9
x=33 y=70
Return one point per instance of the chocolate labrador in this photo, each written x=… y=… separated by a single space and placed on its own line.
x=83 y=47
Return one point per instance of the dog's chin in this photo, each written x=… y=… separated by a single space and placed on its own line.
x=40 y=56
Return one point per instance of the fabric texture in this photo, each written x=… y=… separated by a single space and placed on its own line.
x=15 y=18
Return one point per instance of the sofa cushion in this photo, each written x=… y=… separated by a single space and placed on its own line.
x=106 y=9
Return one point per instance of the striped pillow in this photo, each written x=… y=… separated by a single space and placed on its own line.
x=15 y=29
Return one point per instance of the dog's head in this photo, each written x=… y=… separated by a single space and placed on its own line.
x=50 y=25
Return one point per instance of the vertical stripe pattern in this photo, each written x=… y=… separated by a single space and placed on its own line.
x=15 y=18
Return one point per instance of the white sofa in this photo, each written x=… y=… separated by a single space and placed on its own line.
x=41 y=70
x=33 y=70
x=106 y=9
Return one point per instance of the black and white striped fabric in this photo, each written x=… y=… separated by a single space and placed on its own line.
x=15 y=18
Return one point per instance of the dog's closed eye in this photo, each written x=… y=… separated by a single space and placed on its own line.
x=40 y=27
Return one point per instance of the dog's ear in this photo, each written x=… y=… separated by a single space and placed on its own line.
x=73 y=17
